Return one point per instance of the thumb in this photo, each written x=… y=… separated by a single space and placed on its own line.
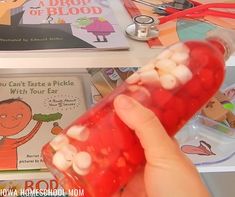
x=147 y=126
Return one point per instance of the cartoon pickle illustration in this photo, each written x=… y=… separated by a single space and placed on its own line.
x=98 y=26
x=5 y=10
x=15 y=115
x=203 y=149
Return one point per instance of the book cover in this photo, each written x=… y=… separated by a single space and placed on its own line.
x=58 y=24
x=33 y=110
x=180 y=29
x=105 y=80
x=37 y=187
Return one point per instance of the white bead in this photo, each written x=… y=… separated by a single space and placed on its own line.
x=83 y=160
x=179 y=47
x=78 y=132
x=82 y=163
x=166 y=54
x=69 y=151
x=168 y=81
x=180 y=58
x=60 y=161
x=182 y=73
x=133 y=79
x=165 y=65
x=148 y=66
x=59 y=141
x=149 y=77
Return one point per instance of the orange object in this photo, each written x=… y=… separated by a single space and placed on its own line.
x=56 y=129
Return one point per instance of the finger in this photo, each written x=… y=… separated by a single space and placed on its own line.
x=148 y=128
x=136 y=186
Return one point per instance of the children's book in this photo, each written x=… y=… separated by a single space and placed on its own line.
x=59 y=24
x=33 y=110
x=35 y=187
x=180 y=29
x=105 y=80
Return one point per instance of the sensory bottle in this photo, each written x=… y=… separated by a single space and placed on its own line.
x=98 y=154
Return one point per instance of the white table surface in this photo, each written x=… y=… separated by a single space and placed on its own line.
x=138 y=54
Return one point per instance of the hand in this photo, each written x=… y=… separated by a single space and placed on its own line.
x=168 y=172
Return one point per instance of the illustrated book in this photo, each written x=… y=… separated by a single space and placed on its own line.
x=33 y=110
x=59 y=24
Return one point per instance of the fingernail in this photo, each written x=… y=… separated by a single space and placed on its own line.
x=124 y=102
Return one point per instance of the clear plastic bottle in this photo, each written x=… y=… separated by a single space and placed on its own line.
x=100 y=154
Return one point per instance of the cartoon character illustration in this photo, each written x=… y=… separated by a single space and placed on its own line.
x=100 y=27
x=11 y=18
x=220 y=108
x=203 y=149
x=5 y=10
x=15 y=115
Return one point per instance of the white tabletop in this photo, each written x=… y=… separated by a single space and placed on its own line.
x=138 y=54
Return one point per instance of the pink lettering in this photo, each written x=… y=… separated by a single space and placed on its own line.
x=40 y=185
x=28 y=185
x=52 y=11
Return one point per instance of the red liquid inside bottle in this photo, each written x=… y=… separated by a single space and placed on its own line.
x=102 y=153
